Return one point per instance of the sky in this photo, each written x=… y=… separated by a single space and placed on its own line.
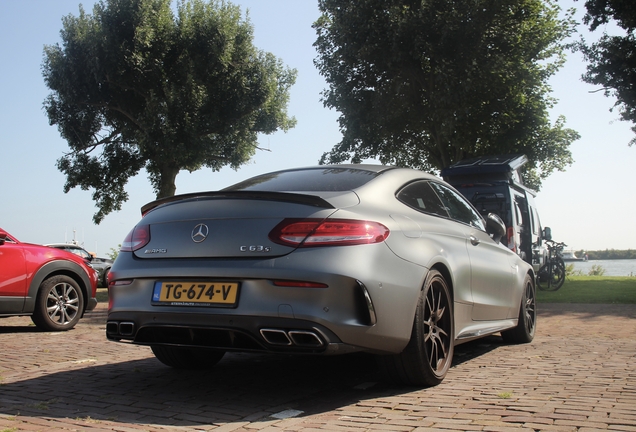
x=590 y=206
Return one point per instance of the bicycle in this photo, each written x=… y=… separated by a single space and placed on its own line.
x=552 y=274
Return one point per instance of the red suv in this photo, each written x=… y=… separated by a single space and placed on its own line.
x=54 y=287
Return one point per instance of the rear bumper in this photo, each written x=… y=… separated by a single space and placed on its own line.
x=255 y=334
x=368 y=305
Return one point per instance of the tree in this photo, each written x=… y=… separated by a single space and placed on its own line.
x=425 y=83
x=612 y=59
x=137 y=86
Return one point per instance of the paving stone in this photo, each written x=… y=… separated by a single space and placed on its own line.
x=575 y=376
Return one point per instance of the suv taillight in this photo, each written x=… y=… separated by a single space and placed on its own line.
x=330 y=232
x=136 y=239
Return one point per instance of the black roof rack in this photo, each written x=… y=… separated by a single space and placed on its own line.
x=498 y=167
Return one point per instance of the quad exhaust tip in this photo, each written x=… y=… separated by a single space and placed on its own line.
x=116 y=328
x=301 y=338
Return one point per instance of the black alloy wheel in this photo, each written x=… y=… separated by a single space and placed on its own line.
x=429 y=353
x=527 y=323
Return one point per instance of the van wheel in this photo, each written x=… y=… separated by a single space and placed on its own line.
x=59 y=304
x=429 y=353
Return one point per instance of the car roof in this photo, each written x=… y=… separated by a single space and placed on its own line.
x=391 y=176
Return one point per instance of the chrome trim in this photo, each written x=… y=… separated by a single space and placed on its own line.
x=477 y=332
x=293 y=334
x=268 y=333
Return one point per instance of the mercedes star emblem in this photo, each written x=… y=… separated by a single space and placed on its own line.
x=200 y=233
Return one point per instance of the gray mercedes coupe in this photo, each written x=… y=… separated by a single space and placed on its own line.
x=320 y=260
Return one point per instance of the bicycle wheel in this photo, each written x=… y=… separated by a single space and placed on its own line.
x=546 y=277
x=542 y=277
x=558 y=273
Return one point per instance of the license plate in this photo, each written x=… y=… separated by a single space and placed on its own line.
x=196 y=293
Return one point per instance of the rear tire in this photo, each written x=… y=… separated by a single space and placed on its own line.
x=187 y=358
x=59 y=304
x=524 y=331
x=429 y=353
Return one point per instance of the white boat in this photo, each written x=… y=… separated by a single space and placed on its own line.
x=569 y=255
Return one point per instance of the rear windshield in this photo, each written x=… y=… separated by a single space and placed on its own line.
x=309 y=180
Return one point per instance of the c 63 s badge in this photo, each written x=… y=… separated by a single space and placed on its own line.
x=255 y=248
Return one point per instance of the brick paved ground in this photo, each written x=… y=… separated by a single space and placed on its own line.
x=578 y=375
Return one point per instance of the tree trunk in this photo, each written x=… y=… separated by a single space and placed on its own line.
x=168 y=186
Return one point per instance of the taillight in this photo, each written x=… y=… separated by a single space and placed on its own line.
x=334 y=232
x=136 y=239
x=510 y=234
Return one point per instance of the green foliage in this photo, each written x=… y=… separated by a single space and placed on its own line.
x=135 y=86
x=592 y=290
x=596 y=270
x=612 y=59
x=112 y=254
x=425 y=84
x=102 y=295
x=570 y=271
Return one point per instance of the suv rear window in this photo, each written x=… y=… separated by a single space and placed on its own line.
x=309 y=180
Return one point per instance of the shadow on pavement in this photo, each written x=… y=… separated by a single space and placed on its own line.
x=19 y=329
x=242 y=387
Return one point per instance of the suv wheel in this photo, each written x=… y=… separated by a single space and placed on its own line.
x=59 y=304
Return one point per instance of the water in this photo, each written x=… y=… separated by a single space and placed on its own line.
x=612 y=267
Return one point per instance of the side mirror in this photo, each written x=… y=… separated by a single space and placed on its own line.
x=547 y=233
x=495 y=227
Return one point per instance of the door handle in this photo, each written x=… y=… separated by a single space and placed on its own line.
x=474 y=240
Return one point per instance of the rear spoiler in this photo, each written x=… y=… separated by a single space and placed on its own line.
x=310 y=200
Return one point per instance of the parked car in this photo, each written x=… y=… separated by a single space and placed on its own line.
x=321 y=260
x=494 y=184
x=54 y=287
x=102 y=265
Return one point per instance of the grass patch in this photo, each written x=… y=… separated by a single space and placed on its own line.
x=592 y=290
x=102 y=295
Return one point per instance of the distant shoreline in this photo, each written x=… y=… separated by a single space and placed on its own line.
x=605 y=259
x=607 y=254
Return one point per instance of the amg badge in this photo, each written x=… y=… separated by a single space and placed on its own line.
x=156 y=251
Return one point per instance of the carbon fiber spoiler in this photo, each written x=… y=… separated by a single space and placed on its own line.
x=311 y=200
